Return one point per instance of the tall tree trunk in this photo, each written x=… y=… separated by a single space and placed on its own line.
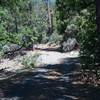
x=98 y=28
x=98 y=15
x=49 y=19
x=30 y=13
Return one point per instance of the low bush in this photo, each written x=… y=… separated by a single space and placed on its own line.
x=29 y=62
x=55 y=38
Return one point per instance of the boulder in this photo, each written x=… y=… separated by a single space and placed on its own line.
x=10 y=47
x=69 y=45
x=69 y=41
x=12 y=50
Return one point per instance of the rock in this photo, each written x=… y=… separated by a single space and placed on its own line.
x=69 y=45
x=26 y=38
x=10 y=47
x=29 y=47
x=69 y=41
x=27 y=42
x=12 y=50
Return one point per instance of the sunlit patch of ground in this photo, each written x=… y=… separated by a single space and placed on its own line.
x=45 y=58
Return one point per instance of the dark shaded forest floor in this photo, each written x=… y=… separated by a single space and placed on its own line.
x=50 y=82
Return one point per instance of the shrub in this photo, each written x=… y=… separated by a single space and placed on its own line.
x=55 y=38
x=1 y=54
x=30 y=61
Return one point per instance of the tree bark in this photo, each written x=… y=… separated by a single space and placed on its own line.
x=98 y=15
x=98 y=28
x=49 y=19
x=30 y=13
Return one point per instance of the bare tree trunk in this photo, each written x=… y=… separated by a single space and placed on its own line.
x=30 y=13
x=49 y=19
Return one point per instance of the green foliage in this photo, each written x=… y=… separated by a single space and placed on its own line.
x=88 y=37
x=55 y=38
x=1 y=54
x=82 y=15
x=23 y=17
x=30 y=61
x=26 y=31
x=14 y=23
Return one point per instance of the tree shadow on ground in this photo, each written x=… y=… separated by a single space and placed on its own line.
x=51 y=82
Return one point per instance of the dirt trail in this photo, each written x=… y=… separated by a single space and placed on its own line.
x=46 y=57
x=53 y=81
